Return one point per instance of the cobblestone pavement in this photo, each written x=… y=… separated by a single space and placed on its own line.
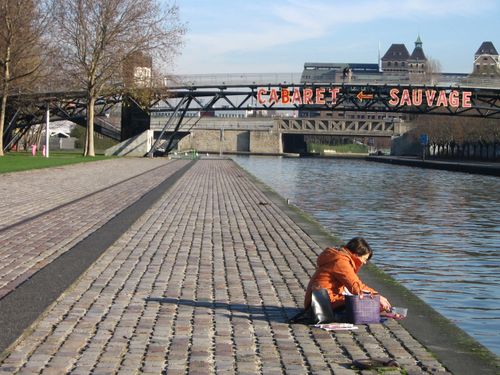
x=26 y=194
x=202 y=283
x=30 y=244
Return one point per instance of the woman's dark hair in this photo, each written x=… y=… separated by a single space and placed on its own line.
x=359 y=246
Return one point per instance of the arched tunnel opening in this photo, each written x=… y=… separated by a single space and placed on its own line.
x=294 y=143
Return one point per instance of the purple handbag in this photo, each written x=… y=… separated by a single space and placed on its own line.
x=364 y=310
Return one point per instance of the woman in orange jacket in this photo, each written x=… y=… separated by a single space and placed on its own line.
x=337 y=273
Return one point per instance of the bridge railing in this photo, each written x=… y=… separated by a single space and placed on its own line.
x=262 y=79
x=438 y=79
x=231 y=79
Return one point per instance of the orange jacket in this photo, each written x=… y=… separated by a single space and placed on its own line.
x=336 y=270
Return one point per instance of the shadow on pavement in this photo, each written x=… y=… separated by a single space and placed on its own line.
x=277 y=314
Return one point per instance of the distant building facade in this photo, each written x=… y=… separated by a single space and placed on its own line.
x=137 y=70
x=396 y=64
x=395 y=59
x=486 y=61
x=337 y=72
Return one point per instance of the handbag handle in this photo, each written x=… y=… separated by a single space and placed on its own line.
x=363 y=294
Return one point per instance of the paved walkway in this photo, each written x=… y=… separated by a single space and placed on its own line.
x=43 y=221
x=26 y=194
x=203 y=283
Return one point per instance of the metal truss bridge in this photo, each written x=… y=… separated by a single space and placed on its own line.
x=26 y=110
x=305 y=99
x=411 y=99
x=311 y=100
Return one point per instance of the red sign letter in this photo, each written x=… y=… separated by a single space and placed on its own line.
x=466 y=99
x=273 y=97
x=394 y=97
x=405 y=97
x=453 y=100
x=285 y=96
x=416 y=97
x=442 y=99
x=261 y=92
x=334 y=93
x=320 y=96
x=429 y=96
x=308 y=93
x=296 y=98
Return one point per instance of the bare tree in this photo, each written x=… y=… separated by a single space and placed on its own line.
x=428 y=74
x=432 y=70
x=459 y=137
x=96 y=37
x=22 y=26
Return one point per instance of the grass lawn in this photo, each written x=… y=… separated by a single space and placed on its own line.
x=22 y=161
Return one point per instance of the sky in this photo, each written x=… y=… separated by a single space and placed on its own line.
x=258 y=36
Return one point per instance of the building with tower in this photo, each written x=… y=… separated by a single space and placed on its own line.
x=398 y=61
x=486 y=61
x=417 y=62
x=395 y=59
x=397 y=65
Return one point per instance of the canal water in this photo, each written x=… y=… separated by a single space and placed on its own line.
x=436 y=232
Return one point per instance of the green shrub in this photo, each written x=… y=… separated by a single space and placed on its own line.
x=352 y=148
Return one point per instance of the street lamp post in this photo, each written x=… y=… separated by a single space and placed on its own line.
x=47 y=131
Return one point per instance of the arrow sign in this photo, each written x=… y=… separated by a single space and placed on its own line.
x=361 y=95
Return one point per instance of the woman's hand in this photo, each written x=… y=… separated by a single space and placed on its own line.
x=384 y=304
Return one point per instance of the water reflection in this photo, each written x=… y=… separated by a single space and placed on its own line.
x=437 y=232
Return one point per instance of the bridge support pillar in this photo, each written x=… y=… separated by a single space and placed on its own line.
x=266 y=142
x=218 y=141
x=134 y=121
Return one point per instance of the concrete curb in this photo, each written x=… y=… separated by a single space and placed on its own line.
x=489 y=170
x=454 y=348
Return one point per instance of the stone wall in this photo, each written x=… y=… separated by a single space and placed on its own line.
x=266 y=142
x=232 y=141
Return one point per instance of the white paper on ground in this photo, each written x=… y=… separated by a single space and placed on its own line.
x=336 y=326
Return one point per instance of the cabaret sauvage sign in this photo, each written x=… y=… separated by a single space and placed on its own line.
x=397 y=97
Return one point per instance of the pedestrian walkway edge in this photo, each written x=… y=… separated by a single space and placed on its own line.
x=453 y=347
x=454 y=166
x=23 y=306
